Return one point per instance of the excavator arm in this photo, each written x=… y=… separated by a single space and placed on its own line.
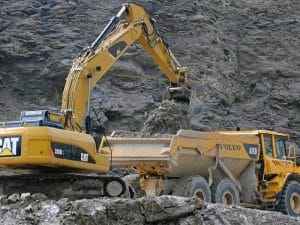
x=110 y=45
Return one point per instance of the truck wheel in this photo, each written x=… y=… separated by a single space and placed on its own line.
x=225 y=192
x=289 y=202
x=199 y=188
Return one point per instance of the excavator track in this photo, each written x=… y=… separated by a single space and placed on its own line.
x=64 y=185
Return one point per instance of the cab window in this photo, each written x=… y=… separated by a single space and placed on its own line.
x=268 y=145
x=280 y=148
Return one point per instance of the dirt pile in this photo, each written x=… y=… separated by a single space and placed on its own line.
x=37 y=209
x=168 y=118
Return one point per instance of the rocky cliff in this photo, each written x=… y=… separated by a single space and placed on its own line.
x=243 y=57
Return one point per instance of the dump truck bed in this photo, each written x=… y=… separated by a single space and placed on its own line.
x=184 y=154
x=147 y=155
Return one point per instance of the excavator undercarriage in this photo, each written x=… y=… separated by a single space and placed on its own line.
x=57 y=184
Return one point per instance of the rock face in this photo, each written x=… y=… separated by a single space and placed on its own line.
x=243 y=57
x=159 y=210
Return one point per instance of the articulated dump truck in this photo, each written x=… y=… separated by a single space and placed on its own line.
x=253 y=168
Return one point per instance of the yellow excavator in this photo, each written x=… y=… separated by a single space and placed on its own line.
x=44 y=151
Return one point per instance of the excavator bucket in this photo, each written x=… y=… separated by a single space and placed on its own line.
x=180 y=93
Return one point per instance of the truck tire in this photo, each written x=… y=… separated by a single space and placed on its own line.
x=289 y=203
x=199 y=188
x=224 y=191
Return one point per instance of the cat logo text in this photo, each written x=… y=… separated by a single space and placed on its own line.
x=10 y=146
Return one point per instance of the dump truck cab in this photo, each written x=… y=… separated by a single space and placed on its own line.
x=277 y=171
x=277 y=165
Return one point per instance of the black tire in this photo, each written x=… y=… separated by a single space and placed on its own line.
x=289 y=203
x=224 y=191
x=199 y=188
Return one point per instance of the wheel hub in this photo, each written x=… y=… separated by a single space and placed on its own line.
x=295 y=202
x=114 y=188
x=199 y=194
x=227 y=198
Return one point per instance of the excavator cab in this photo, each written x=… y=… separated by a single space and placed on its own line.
x=34 y=119
x=39 y=118
x=38 y=115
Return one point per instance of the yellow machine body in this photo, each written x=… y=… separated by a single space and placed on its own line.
x=50 y=147
x=242 y=156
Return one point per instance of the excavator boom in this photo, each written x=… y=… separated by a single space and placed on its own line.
x=104 y=52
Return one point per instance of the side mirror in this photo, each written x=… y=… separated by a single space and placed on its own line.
x=291 y=150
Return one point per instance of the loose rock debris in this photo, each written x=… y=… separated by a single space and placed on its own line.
x=157 y=210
